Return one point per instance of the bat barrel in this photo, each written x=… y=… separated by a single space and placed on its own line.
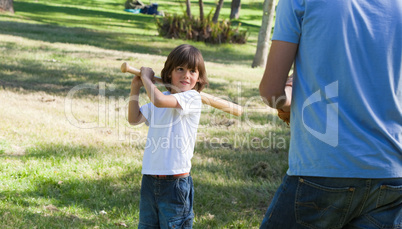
x=221 y=104
x=127 y=68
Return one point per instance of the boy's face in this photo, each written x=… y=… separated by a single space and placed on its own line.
x=183 y=79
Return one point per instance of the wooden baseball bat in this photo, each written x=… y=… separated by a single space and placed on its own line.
x=206 y=98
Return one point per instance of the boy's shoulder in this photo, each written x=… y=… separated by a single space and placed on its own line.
x=189 y=93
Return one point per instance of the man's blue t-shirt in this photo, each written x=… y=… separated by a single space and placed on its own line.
x=346 y=114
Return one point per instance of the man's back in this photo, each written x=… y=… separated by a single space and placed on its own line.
x=347 y=91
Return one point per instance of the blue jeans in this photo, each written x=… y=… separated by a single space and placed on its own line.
x=327 y=203
x=166 y=203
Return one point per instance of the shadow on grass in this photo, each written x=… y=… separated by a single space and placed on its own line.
x=248 y=173
x=76 y=196
x=227 y=5
x=118 y=197
x=60 y=78
x=218 y=205
x=107 y=40
x=241 y=195
x=216 y=86
x=51 y=30
x=120 y=31
x=38 y=12
x=60 y=152
x=15 y=218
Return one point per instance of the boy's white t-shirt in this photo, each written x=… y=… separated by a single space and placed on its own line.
x=172 y=135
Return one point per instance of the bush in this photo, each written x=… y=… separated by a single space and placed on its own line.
x=183 y=27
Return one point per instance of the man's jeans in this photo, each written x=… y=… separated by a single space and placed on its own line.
x=166 y=203
x=319 y=202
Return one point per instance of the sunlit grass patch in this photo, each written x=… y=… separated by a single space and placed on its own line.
x=68 y=157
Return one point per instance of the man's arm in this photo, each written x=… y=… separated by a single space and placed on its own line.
x=273 y=88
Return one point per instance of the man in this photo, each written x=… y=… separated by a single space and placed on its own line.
x=345 y=156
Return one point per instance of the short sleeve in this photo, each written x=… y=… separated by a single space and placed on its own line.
x=190 y=102
x=146 y=112
x=288 y=21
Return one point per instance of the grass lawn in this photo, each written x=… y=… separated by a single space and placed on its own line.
x=69 y=159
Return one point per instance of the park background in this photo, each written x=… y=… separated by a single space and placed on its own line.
x=69 y=159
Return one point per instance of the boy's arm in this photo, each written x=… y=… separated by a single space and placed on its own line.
x=154 y=94
x=273 y=87
x=135 y=116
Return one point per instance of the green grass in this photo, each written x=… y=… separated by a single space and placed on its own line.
x=106 y=25
x=65 y=159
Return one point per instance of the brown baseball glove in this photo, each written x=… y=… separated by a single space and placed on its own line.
x=285 y=116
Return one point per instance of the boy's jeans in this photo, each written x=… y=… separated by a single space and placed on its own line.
x=166 y=203
x=319 y=202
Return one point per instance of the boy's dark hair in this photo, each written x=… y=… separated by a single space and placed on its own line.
x=186 y=56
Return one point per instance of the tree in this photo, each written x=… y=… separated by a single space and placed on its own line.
x=235 y=9
x=188 y=8
x=217 y=11
x=6 y=5
x=264 y=35
x=201 y=4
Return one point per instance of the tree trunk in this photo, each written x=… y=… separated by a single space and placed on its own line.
x=264 y=35
x=235 y=9
x=188 y=8
x=217 y=11
x=6 y=5
x=201 y=4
